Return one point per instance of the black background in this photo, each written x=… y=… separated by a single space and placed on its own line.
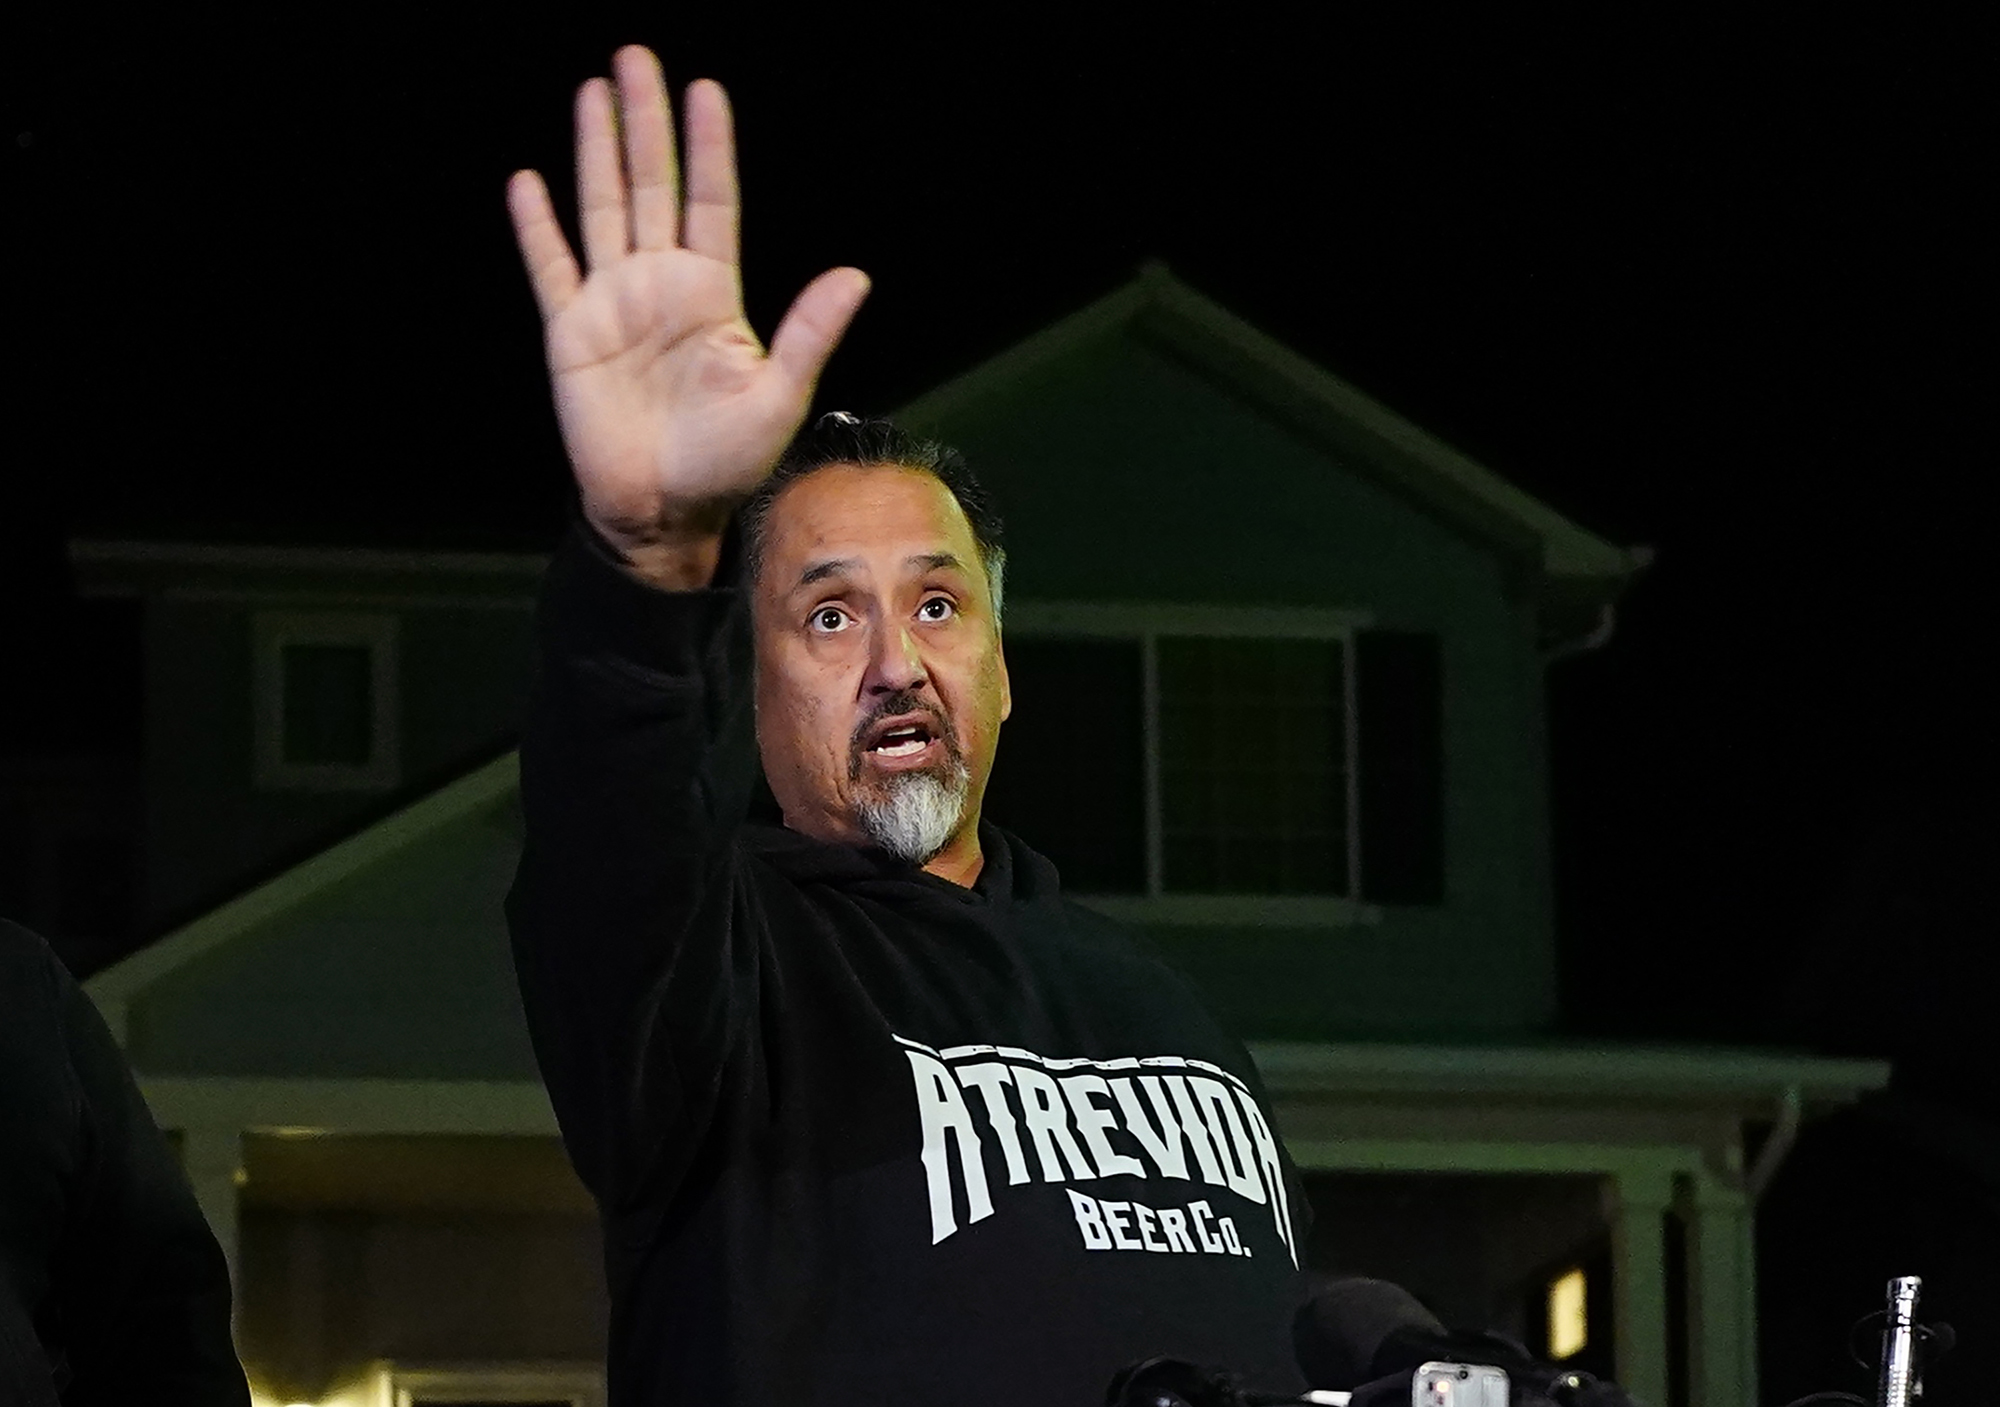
x=1712 y=285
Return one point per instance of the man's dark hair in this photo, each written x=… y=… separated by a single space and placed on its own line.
x=840 y=438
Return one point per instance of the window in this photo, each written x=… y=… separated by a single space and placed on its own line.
x=328 y=708
x=1174 y=761
x=1252 y=737
x=326 y=701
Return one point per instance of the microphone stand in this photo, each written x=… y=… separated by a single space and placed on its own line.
x=1900 y=1384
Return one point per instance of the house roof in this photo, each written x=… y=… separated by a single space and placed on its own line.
x=1577 y=574
x=234 y=572
x=124 y=985
x=1754 y=1079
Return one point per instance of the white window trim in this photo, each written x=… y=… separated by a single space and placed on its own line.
x=1145 y=622
x=271 y=632
x=405 y=1385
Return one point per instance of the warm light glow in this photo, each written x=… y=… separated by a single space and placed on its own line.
x=370 y=1390
x=1569 y=1327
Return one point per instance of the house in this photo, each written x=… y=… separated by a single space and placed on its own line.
x=1279 y=660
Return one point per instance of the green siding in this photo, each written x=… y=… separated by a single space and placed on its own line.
x=462 y=678
x=206 y=824
x=1126 y=474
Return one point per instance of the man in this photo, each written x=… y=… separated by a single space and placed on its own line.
x=871 y=1112
x=112 y=1287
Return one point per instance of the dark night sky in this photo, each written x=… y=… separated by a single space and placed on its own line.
x=1704 y=287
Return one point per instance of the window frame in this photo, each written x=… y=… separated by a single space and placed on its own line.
x=1146 y=622
x=272 y=632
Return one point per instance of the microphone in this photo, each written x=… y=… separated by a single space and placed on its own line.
x=1370 y=1336
x=1349 y=1330
x=1174 y=1382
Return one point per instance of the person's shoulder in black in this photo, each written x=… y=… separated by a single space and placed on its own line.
x=112 y=1287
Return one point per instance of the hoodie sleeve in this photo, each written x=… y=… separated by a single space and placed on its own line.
x=632 y=942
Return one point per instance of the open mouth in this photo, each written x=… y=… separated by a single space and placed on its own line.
x=902 y=740
x=911 y=738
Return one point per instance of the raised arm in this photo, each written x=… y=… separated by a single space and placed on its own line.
x=635 y=957
x=671 y=409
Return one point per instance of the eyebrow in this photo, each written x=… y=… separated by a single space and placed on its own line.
x=820 y=571
x=835 y=566
x=936 y=561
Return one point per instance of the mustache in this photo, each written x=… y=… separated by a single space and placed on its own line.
x=905 y=701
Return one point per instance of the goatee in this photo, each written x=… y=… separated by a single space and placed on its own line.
x=918 y=814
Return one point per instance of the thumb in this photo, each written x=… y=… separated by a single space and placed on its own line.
x=814 y=325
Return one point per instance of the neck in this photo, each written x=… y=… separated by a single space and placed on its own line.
x=961 y=860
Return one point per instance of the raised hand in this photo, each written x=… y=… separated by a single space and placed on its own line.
x=671 y=409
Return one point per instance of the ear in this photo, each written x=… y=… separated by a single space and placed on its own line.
x=1006 y=685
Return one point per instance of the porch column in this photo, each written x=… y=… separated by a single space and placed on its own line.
x=1722 y=1293
x=212 y=1159
x=1636 y=1202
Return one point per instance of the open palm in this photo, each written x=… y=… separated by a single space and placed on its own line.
x=670 y=407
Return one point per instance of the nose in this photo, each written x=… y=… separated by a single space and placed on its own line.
x=894 y=665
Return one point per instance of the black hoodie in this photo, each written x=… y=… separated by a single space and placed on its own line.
x=112 y=1288
x=859 y=1134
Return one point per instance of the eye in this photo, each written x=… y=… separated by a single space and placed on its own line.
x=937 y=608
x=828 y=619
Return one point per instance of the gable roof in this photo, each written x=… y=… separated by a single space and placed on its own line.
x=253 y=913
x=1577 y=575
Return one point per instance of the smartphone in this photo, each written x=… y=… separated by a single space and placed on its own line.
x=1458 y=1385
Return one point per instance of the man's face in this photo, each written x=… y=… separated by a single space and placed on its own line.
x=880 y=682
